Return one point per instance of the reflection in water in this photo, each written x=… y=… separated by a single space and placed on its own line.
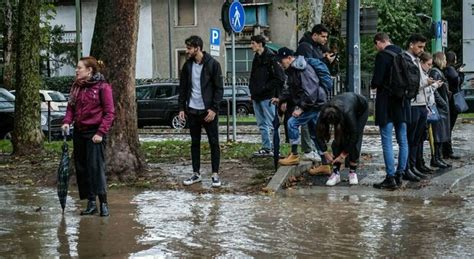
x=183 y=224
x=172 y=223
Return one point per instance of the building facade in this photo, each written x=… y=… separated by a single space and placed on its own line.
x=165 y=24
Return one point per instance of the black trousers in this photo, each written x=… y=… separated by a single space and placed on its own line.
x=415 y=132
x=196 y=123
x=89 y=161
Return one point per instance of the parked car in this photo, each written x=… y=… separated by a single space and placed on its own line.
x=157 y=104
x=57 y=100
x=7 y=115
x=468 y=88
x=244 y=104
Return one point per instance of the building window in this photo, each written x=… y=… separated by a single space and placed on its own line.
x=243 y=62
x=181 y=58
x=186 y=12
x=256 y=15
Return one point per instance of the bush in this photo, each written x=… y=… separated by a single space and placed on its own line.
x=60 y=83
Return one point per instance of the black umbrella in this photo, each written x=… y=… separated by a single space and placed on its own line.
x=63 y=174
x=276 y=138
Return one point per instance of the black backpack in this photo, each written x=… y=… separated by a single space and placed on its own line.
x=404 y=76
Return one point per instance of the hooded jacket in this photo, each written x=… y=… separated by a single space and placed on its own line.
x=267 y=77
x=211 y=83
x=304 y=88
x=308 y=48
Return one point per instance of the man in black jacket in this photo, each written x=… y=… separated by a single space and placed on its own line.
x=200 y=92
x=390 y=112
x=266 y=80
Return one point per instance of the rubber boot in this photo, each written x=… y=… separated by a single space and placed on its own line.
x=91 y=208
x=104 y=208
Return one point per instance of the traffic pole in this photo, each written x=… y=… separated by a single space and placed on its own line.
x=353 y=46
x=436 y=43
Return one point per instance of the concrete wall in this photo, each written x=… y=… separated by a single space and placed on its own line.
x=144 y=65
x=208 y=14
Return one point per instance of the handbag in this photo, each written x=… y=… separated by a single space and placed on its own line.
x=460 y=102
x=433 y=115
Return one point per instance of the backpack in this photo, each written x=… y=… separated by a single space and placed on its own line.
x=322 y=71
x=315 y=94
x=404 y=76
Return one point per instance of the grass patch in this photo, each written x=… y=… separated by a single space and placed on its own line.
x=466 y=115
x=169 y=151
x=247 y=119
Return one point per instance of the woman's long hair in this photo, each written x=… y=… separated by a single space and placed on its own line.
x=331 y=114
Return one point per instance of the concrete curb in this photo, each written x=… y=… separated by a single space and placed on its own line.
x=284 y=172
x=442 y=185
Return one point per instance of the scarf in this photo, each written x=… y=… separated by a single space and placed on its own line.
x=81 y=84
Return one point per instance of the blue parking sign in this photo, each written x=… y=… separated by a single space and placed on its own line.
x=237 y=16
x=215 y=36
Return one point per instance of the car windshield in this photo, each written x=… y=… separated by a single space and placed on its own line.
x=7 y=100
x=57 y=97
x=5 y=103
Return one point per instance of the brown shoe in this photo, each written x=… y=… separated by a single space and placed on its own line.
x=320 y=170
x=290 y=160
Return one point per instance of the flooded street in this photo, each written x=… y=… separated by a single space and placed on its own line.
x=174 y=223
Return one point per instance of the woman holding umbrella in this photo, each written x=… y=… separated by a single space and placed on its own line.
x=91 y=108
x=347 y=113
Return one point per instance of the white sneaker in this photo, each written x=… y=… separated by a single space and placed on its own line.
x=353 y=179
x=333 y=179
x=312 y=156
x=216 y=182
x=196 y=178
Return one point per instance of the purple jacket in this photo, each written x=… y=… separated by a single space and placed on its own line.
x=94 y=108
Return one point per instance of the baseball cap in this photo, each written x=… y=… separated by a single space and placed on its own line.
x=283 y=53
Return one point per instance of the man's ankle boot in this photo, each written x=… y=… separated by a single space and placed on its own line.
x=409 y=176
x=418 y=173
x=91 y=208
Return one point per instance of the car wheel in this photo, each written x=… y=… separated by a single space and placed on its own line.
x=176 y=123
x=242 y=110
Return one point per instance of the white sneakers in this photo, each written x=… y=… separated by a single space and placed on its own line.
x=335 y=178
x=312 y=156
x=353 y=179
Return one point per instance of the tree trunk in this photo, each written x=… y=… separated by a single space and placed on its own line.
x=9 y=69
x=27 y=134
x=317 y=11
x=115 y=43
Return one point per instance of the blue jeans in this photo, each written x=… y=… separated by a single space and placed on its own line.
x=294 y=123
x=387 y=148
x=265 y=113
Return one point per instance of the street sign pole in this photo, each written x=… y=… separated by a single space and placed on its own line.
x=437 y=22
x=234 y=105
x=237 y=23
x=353 y=46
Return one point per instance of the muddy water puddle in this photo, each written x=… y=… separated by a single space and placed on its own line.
x=176 y=223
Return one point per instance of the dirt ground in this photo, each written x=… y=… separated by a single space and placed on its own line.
x=237 y=176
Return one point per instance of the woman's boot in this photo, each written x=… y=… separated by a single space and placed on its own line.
x=104 y=208
x=437 y=161
x=91 y=208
